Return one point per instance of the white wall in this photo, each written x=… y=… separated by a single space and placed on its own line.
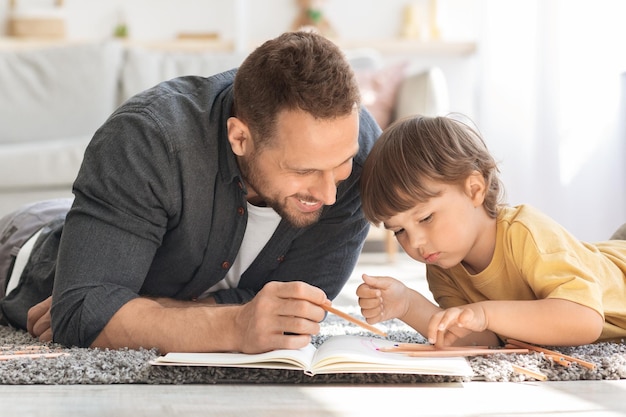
x=262 y=19
x=549 y=106
x=533 y=87
x=246 y=23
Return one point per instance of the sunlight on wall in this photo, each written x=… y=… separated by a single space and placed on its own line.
x=589 y=79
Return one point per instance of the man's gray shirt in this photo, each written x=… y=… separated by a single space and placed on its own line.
x=160 y=210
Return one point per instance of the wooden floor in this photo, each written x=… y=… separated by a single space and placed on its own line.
x=567 y=398
x=580 y=399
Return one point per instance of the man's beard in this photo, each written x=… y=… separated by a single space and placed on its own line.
x=295 y=218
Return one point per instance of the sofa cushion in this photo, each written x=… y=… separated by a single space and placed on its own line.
x=41 y=164
x=379 y=89
x=145 y=67
x=57 y=92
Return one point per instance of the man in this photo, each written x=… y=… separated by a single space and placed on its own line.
x=216 y=214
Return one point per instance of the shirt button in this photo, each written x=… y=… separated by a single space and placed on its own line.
x=280 y=258
x=225 y=265
x=240 y=211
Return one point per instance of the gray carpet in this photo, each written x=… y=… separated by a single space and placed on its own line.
x=96 y=366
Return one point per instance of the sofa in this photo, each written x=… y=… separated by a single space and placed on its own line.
x=53 y=97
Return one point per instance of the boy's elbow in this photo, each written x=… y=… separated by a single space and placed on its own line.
x=597 y=327
x=593 y=324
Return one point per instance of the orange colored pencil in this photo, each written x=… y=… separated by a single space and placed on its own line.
x=351 y=319
x=528 y=346
x=412 y=347
x=461 y=352
x=525 y=371
x=32 y=355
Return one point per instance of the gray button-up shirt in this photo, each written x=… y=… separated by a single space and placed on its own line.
x=160 y=210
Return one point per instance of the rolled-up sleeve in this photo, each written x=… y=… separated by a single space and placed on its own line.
x=113 y=229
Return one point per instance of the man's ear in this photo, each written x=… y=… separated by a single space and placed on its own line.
x=238 y=136
x=476 y=188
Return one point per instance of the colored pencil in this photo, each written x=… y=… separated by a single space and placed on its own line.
x=534 y=374
x=356 y=321
x=411 y=347
x=462 y=352
x=528 y=346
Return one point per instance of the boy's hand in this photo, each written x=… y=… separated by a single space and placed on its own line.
x=382 y=298
x=447 y=326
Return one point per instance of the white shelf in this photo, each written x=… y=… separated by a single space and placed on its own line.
x=390 y=46
x=414 y=47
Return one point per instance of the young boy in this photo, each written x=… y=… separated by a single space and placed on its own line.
x=496 y=271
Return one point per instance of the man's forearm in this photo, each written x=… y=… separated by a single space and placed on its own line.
x=179 y=326
x=172 y=302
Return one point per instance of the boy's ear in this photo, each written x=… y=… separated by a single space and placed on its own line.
x=476 y=188
x=238 y=136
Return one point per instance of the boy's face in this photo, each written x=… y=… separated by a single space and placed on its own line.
x=298 y=173
x=445 y=230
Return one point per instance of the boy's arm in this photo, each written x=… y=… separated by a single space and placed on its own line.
x=550 y=321
x=384 y=298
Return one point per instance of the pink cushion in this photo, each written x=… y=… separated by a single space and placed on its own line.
x=379 y=89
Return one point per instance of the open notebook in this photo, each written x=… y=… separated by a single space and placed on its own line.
x=338 y=354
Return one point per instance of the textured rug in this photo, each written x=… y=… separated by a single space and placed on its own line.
x=101 y=366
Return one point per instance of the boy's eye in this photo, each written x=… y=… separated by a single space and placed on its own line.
x=398 y=232
x=427 y=219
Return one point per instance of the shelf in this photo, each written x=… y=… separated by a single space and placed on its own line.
x=390 y=46
x=185 y=45
x=174 y=45
x=17 y=43
x=414 y=47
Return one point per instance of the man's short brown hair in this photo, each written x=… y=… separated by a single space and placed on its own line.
x=295 y=71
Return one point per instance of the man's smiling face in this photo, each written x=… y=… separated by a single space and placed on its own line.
x=297 y=173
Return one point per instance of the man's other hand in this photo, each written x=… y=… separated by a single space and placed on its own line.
x=38 y=320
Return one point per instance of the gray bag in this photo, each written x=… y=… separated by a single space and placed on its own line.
x=15 y=229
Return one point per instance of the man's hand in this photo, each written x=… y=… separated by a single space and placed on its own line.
x=38 y=320
x=283 y=315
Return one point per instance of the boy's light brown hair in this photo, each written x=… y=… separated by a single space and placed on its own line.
x=417 y=150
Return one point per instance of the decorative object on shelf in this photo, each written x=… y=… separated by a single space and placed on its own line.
x=311 y=15
x=411 y=26
x=433 y=23
x=36 y=22
x=420 y=21
x=121 y=28
x=120 y=31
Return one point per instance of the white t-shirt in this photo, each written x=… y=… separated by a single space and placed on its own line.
x=262 y=222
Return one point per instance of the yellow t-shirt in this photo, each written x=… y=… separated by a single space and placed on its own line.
x=536 y=258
